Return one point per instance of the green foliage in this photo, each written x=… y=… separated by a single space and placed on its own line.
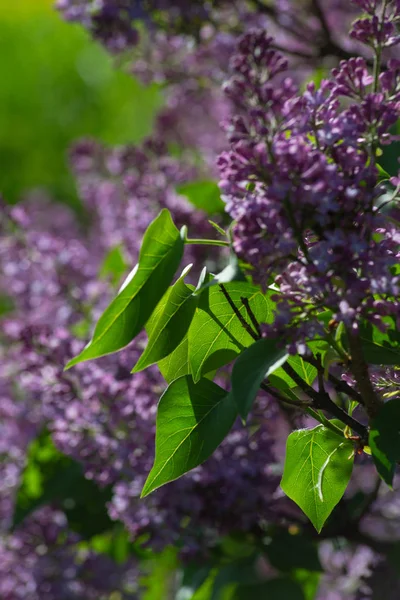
x=169 y=323
x=58 y=86
x=50 y=477
x=309 y=582
x=204 y=195
x=283 y=381
x=238 y=572
x=161 y=572
x=380 y=347
x=114 y=265
x=317 y=470
x=177 y=363
x=254 y=365
x=275 y=589
x=125 y=317
x=384 y=440
x=193 y=578
x=192 y=420
x=6 y=305
x=216 y=336
x=287 y=552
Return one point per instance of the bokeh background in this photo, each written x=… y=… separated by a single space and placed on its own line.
x=58 y=85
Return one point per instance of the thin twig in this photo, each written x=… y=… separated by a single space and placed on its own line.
x=359 y=368
x=252 y=316
x=239 y=315
x=340 y=385
x=281 y=398
x=324 y=402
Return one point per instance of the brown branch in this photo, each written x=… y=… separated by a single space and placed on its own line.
x=322 y=401
x=239 y=315
x=339 y=384
x=281 y=398
x=252 y=316
x=359 y=368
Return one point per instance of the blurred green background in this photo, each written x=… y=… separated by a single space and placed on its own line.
x=57 y=86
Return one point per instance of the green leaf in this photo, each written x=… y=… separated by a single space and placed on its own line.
x=162 y=571
x=384 y=440
x=159 y=257
x=254 y=364
x=171 y=325
x=306 y=371
x=51 y=477
x=379 y=348
x=382 y=174
x=114 y=265
x=237 y=572
x=216 y=336
x=192 y=420
x=308 y=581
x=6 y=305
x=287 y=552
x=275 y=589
x=193 y=578
x=177 y=363
x=318 y=467
x=204 y=195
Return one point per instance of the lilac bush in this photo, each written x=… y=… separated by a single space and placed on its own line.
x=298 y=335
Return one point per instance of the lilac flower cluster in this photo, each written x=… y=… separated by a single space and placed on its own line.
x=302 y=185
x=43 y=561
x=380 y=25
x=114 y=22
x=346 y=571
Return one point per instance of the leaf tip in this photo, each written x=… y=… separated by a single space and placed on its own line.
x=71 y=363
x=138 y=367
x=147 y=488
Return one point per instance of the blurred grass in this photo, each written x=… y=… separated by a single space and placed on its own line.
x=58 y=85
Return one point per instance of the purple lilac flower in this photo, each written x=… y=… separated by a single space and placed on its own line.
x=43 y=561
x=302 y=190
x=346 y=571
x=380 y=26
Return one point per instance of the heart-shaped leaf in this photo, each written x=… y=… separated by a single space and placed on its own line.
x=317 y=470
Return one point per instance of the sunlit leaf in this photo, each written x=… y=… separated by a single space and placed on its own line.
x=192 y=420
x=125 y=317
x=216 y=335
x=204 y=195
x=172 y=323
x=318 y=467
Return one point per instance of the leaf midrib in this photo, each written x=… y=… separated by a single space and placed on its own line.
x=183 y=440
